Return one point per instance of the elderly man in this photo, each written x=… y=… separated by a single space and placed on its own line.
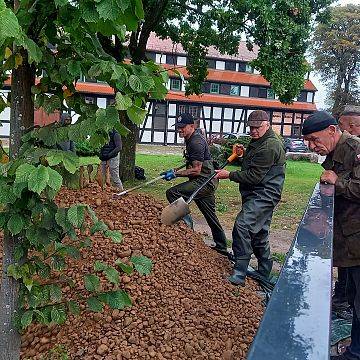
x=350 y=120
x=342 y=168
x=199 y=166
x=260 y=180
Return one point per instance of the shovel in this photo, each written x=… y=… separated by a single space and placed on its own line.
x=144 y=184
x=180 y=208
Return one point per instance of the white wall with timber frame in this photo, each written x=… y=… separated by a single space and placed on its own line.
x=158 y=126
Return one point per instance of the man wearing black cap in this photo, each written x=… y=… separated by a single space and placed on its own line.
x=199 y=166
x=260 y=180
x=342 y=169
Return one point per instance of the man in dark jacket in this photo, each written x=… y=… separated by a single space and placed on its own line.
x=110 y=157
x=342 y=169
x=65 y=119
x=199 y=166
x=260 y=180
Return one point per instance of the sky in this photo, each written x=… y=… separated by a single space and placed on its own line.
x=320 y=96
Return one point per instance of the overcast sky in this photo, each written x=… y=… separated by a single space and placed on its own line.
x=321 y=93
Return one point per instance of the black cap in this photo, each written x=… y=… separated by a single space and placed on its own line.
x=317 y=121
x=184 y=119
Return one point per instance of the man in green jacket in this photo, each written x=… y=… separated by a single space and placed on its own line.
x=260 y=180
x=342 y=169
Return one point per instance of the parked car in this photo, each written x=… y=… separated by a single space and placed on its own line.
x=295 y=145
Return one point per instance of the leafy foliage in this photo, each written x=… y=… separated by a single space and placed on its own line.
x=336 y=51
x=60 y=39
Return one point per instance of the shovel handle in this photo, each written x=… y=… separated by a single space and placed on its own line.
x=237 y=152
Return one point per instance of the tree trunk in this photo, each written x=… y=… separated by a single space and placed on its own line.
x=21 y=118
x=127 y=154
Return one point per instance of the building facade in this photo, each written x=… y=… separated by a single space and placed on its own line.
x=232 y=90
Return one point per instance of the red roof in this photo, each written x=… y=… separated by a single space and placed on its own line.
x=240 y=101
x=234 y=77
x=167 y=46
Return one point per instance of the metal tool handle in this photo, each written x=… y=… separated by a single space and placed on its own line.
x=230 y=159
x=145 y=184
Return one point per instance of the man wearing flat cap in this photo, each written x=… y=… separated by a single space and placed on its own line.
x=260 y=180
x=199 y=166
x=350 y=120
x=342 y=169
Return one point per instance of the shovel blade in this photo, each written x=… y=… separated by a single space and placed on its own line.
x=175 y=211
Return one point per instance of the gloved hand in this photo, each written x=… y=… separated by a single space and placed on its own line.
x=169 y=175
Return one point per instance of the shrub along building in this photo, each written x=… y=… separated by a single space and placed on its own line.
x=232 y=90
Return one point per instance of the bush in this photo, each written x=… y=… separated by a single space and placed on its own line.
x=84 y=148
x=221 y=148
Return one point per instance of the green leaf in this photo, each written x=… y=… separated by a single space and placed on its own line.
x=58 y=314
x=117 y=299
x=26 y=318
x=123 y=102
x=55 y=157
x=23 y=172
x=55 y=292
x=60 y=3
x=55 y=179
x=112 y=116
x=135 y=83
x=115 y=235
x=74 y=307
x=74 y=67
x=147 y=82
x=99 y=265
x=107 y=9
x=38 y=179
x=94 y=304
x=9 y=25
x=92 y=282
x=112 y=275
x=76 y=215
x=6 y=195
x=15 y=224
x=99 y=226
x=127 y=269
x=18 y=188
x=58 y=262
x=51 y=103
x=28 y=282
x=136 y=114
x=123 y=4
x=139 y=10
x=71 y=162
x=88 y=12
x=35 y=53
x=142 y=264
x=72 y=251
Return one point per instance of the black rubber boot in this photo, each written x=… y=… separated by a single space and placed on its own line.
x=239 y=272
x=189 y=221
x=264 y=267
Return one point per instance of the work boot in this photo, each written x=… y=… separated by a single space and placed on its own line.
x=264 y=267
x=189 y=221
x=339 y=357
x=239 y=272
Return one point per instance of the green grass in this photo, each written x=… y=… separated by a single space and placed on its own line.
x=301 y=176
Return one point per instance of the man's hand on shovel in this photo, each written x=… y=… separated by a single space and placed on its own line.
x=169 y=174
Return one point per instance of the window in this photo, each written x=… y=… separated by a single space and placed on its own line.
x=262 y=93
x=309 y=97
x=181 y=60
x=194 y=111
x=302 y=97
x=270 y=94
x=160 y=58
x=211 y=64
x=171 y=59
x=234 y=90
x=89 y=100
x=175 y=84
x=230 y=65
x=249 y=68
x=254 y=91
x=214 y=88
x=296 y=131
x=242 y=67
x=220 y=65
x=245 y=91
x=110 y=101
x=151 y=56
x=182 y=109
